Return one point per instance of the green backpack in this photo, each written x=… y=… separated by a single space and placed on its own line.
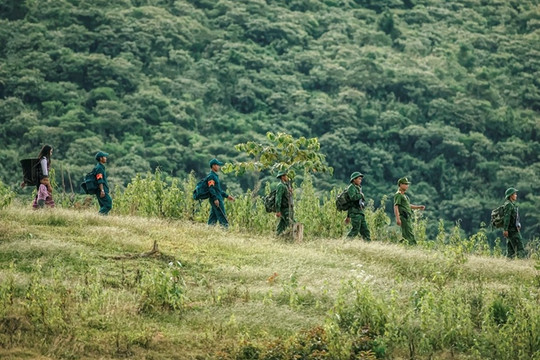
x=270 y=201
x=89 y=184
x=343 y=202
x=497 y=217
x=201 y=191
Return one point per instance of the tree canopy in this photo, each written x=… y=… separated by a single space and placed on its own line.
x=444 y=92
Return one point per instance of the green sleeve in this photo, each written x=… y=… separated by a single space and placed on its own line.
x=100 y=174
x=354 y=194
x=213 y=182
x=507 y=215
x=279 y=195
x=398 y=199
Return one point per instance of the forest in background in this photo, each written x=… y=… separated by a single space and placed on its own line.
x=444 y=92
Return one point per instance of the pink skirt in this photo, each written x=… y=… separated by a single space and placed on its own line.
x=43 y=194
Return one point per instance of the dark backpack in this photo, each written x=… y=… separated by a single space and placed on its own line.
x=31 y=171
x=270 y=201
x=201 y=191
x=343 y=202
x=497 y=217
x=89 y=184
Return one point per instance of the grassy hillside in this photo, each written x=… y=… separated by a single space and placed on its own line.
x=76 y=285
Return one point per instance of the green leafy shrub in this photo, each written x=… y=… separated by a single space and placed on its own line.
x=311 y=344
x=143 y=196
x=363 y=310
x=294 y=295
x=6 y=196
x=378 y=221
x=163 y=289
x=247 y=212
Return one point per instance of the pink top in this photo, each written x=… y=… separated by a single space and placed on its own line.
x=42 y=193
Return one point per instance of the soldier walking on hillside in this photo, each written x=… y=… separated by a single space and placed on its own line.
x=355 y=214
x=217 y=211
x=284 y=202
x=103 y=197
x=512 y=225
x=403 y=211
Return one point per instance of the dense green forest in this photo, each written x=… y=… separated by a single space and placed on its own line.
x=444 y=92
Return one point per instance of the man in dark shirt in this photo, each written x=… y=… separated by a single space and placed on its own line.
x=217 y=211
x=512 y=225
x=284 y=202
x=103 y=197
x=403 y=211
x=356 y=214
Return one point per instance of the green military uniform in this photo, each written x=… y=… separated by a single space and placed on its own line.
x=356 y=211
x=512 y=224
x=217 y=214
x=405 y=214
x=105 y=203
x=284 y=204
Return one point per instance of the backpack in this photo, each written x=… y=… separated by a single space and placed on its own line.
x=31 y=171
x=270 y=201
x=90 y=183
x=343 y=202
x=497 y=217
x=201 y=191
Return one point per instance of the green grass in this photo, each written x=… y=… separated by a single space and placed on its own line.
x=71 y=286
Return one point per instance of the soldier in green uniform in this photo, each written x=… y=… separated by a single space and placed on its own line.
x=217 y=210
x=512 y=225
x=284 y=202
x=103 y=197
x=403 y=211
x=355 y=214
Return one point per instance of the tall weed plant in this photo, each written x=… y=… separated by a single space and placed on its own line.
x=320 y=218
x=248 y=212
x=6 y=196
x=434 y=321
x=163 y=289
x=143 y=196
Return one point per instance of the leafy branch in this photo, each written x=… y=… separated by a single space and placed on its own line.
x=283 y=153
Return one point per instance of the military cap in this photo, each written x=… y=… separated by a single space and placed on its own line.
x=281 y=173
x=509 y=192
x=101 y=154
x=215 y=162
x=356 y=174
x=403 y=180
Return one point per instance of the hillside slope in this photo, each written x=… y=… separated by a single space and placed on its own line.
x=76 y=285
